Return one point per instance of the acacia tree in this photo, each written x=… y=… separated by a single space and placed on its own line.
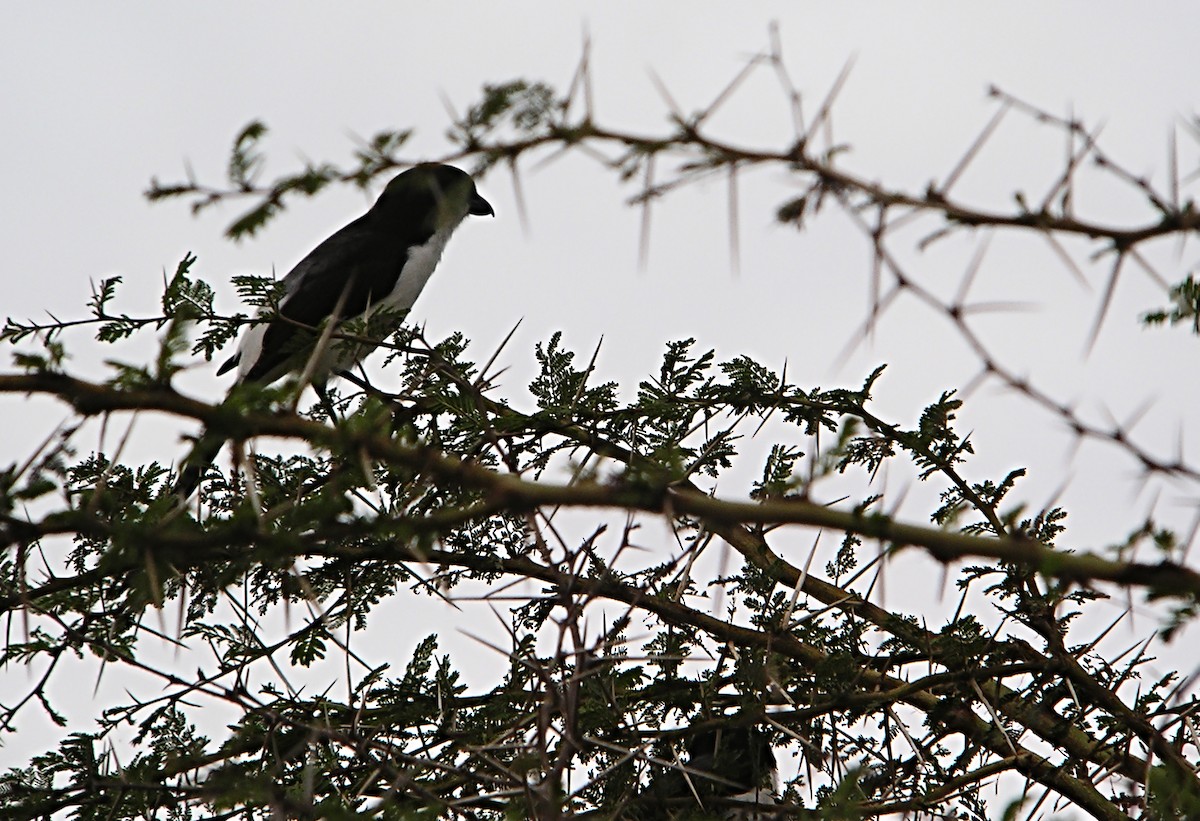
x=621 y=675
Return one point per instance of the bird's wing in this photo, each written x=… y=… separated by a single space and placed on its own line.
x=361 y=260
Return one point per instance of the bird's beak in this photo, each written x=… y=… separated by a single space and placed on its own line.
x=480 y=207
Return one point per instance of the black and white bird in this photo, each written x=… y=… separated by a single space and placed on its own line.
x=381 y=260
x=730 y=775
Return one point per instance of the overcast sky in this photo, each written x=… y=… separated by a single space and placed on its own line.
x=98 y=98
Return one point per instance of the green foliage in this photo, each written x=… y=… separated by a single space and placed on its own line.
x=778 y=478
x=1186 y=308
x=523 y=106
x=245 y=168
x=561 y=388
x=340 y=528
x=307 y=182
x=1173 y=796
x=245 y=160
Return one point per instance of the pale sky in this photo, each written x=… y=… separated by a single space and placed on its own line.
x=98 y=98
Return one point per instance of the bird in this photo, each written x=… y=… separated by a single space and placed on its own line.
x=730 y=774
x=381 y=260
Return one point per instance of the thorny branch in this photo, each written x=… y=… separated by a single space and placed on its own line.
x=441 y=487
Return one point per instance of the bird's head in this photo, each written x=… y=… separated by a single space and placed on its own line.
x=435 y=196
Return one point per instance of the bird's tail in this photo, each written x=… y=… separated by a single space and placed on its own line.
x=192 y=468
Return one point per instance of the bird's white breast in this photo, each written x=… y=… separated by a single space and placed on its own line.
x=250 y=348
x=418 y=267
